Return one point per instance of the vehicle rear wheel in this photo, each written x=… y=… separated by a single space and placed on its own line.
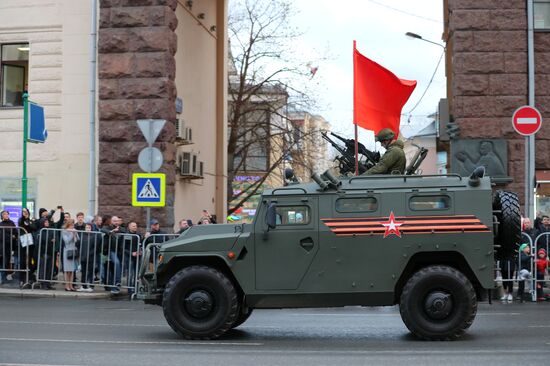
x=438 y=303
x=200 y=302
x=242 y=318
x=508 y=236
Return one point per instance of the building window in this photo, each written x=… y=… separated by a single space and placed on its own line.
x=542 y=14
x=429 y=203
x=14 y=71
x=367 y=204
x=254 y=137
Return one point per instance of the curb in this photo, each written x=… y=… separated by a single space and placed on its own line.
x=4 y=292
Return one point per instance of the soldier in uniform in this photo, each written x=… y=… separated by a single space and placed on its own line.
x=393 y=161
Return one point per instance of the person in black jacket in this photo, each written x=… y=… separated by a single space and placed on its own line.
x=185 y=224
x=112 y=273
x=46 y=242
x=79 y=224
x=132 y=253
x=26 y=223
x=9 y=239
x=528 y=229
x=155 y=236
x=544 y=227
x=90 y=250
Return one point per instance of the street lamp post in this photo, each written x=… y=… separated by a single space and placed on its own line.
x=416 y=36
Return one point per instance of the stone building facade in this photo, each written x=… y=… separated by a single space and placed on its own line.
x=141 y=72
x=487 y=76
x=136 y=71
x=157 y=59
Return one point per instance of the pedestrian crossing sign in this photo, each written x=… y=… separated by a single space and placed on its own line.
x=148 y=189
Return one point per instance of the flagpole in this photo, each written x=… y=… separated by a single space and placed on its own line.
x=355 y=122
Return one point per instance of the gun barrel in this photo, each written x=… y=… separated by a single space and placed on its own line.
x=339 y=137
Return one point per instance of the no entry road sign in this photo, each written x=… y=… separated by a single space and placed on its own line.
x=148 y=190
x=526 y=120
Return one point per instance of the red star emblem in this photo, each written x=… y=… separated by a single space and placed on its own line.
x=392 y=226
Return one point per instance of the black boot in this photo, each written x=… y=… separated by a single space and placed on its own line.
x=521 y=290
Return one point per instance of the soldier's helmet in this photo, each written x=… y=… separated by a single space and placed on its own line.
x=385 y=134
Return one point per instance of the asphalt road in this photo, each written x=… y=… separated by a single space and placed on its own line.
x=104 y=332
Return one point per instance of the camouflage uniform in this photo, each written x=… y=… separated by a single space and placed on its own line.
x=391 y=162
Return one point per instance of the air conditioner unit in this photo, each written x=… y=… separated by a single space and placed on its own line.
x=180 y=125
x=201 y=169
x=185 y=164
x=188 y=134
x=183 y=134
x=194 y=164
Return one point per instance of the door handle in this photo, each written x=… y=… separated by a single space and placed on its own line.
x=307 y=244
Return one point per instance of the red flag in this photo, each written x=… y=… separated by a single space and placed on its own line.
x=378 y=95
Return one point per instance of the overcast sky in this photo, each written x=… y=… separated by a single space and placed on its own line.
x=379 y=27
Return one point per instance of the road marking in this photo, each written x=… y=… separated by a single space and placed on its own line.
x=385 y=315
x=190 y=343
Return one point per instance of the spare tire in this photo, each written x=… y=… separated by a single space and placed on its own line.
x=508 y=235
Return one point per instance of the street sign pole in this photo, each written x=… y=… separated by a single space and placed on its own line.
x=530 y=140
x=527 y=121
x=530 y=179
x=150 y=128
x=25 y=133
x=149 y=170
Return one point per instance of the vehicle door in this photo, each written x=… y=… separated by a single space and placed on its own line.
x=284 y=253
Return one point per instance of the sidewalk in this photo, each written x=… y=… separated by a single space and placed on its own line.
x=57 y=291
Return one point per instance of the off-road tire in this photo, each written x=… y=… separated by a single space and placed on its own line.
x=206 y=281
x=421 y=287
x=242 y=318
x=508 y=236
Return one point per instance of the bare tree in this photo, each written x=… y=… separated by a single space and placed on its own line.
x=264 y=81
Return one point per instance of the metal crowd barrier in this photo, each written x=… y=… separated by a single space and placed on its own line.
x=111 y=261
x=542 y=241
x=16 y=256
x=151 y=244
x=508 y=272
x=155 y=240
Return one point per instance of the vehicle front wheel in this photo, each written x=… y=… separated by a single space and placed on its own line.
x=242 y=318
x=438 y=303
x=200 y=302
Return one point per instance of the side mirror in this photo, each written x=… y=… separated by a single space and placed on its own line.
x=271 y=216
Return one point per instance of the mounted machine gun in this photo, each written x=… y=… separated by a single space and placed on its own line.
x=346 y=160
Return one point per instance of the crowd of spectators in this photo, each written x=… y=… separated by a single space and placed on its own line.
x=91 y=251
x=531 y=262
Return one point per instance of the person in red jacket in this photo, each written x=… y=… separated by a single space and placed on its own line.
x=542 y=263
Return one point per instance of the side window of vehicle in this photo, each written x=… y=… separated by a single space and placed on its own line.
x=430 y=203
x=363 y=204
x=293 y=215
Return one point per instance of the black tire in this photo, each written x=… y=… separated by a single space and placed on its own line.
x=508 y=236
x=438 y=303
x=242 y=318
x=200 y=302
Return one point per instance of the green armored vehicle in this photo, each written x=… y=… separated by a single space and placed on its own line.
x=425 y=243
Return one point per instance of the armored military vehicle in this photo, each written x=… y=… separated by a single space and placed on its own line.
x=425 y=243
